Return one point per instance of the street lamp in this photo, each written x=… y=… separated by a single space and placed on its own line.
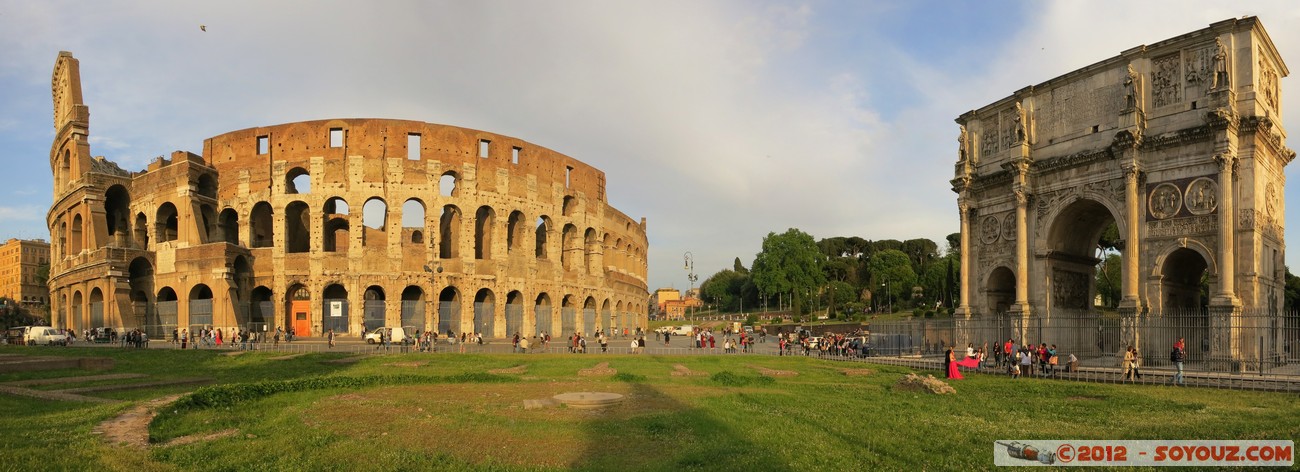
x=887 y=297
x=689 y=263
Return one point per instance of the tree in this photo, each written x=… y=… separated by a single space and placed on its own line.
x=1292 y=297
x=738 y=267
x=1108 y=280
x=726 y=288
x=954 y=244
x=932 y=282
x=891 y=270
x=790 y=263
x=920 y=252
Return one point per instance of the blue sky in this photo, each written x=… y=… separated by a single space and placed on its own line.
x=717 y=121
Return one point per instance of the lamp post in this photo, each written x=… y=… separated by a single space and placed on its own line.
x=887 y=297
x=689 y=263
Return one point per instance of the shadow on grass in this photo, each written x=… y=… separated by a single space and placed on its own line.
x=677 y=437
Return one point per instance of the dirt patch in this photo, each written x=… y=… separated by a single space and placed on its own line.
x=519 y=369
x=407 y=364
x=683 y=371
x=285 y=358
x=857 y=372
x=773 y=372
x=916 y=383
x=233 y=353
x=131 y=429
x=193 y=438
x=600 y=370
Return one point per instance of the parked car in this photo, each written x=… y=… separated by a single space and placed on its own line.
x=45 y=335
x=16 y=335
x=400 y=335
x=684 y=330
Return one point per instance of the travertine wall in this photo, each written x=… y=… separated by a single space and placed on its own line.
x=476 y=232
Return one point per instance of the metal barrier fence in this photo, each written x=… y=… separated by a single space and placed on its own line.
x=1258 y=343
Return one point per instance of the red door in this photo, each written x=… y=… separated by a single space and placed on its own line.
x=301 y=321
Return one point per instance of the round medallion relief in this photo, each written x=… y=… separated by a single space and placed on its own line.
x=1165 y=201
x=1009 y=227
x=989 y=230
x=1202 y=196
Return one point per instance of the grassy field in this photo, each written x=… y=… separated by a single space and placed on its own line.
x=446 y=412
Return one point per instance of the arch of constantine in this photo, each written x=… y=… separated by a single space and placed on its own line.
x=346 y=224
x=1178 y=144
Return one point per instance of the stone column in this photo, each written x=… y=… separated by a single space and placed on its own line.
x=1132 y=250
x=963 y=307
x=1022 y=251
x=1225 y=293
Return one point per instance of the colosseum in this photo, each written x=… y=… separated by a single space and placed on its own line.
x=341 y=225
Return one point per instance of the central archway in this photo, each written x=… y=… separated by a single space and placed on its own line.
x=1077 y=243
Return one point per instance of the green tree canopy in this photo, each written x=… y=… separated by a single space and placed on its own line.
x=1108 y=280
x=790 y=262
x=738 y=267
x=891 y=270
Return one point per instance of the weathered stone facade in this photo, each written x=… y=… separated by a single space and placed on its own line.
x=340 y=224
x=1178 y=143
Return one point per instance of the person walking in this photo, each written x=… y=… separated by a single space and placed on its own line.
x=330 y=337
x=1176 y=357
x=1129 y=363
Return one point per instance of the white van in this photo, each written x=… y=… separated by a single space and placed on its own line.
x=37 y=335
x=684 y=330
x=402 y=335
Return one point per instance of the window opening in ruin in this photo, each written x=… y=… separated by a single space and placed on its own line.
x=514 y=231
x=566 y=208
x=568 y=241
x=229 y=221
x=141 y=231
x=167 y=223
x=1193 y=104
x=116 y=210
x=209 y=230
x=448 y=229
x=568 y=174
x=483 y=223
x=1096 y=128
x=540 y=250
x=483 y=147
x=413 y=146
x=590 y=245
x=336 y=137
x=374 y=219
x=262 y=225
x=447 y=184
x=514 y=155
x=74 y=240
x=298 y=180
x=263 y=145
x=297 y=236
x=206 y=186
x=413 y=220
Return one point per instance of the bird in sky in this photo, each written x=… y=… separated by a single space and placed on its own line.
x=203 y=28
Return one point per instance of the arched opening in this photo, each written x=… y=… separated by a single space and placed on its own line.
x=448 y=233
x=449 y=311
x=542 y=314
x=75 y=310
x=1082 y=236
x=1001 y=289
x=373 y=314
x=141 y=231
x=297 y=236
x=514 y=231
x=569 y=243
x=65 y=168
x=297 y=180
x=515 y=314
x=606 y=317
x=1184 y=282
x=140 y=275
x=117 y=213
x=374 y=219
x=590 y=245
x=620 y=317
x=566 y=209
x=485 y=313
x=200 y=304
x=167 y=308
x=413 y=221
x=413 y=307
x=229 y=223
x=206 y=186
x=568 y=316
x=334 y=236
x=543 y=228
x=484 y=220
x=447 y=184
x=263 y=224
x=589 y=316
x=75 y=238
x=97 y=308
x=261 y=307
x=298 y=310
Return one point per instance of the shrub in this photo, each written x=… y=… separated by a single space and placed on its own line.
x=731 y=379
x=626 y=377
